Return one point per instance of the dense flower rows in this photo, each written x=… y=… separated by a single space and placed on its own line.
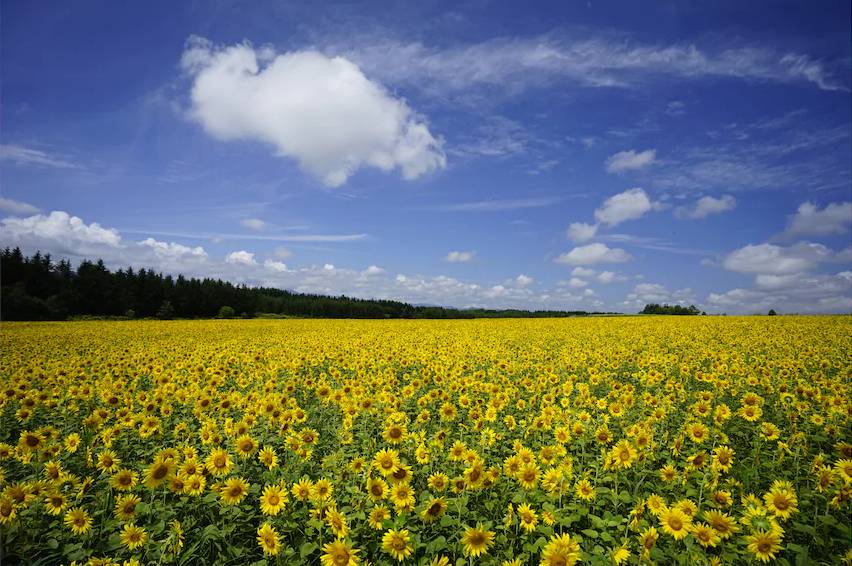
x=601 y=440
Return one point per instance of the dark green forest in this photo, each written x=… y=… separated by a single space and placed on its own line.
x=39 y=288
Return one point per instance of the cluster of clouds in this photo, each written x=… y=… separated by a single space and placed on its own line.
x=321 y=111
x=65 y=235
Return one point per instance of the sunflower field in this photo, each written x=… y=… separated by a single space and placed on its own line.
x=622 y=440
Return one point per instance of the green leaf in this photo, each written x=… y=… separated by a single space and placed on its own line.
x=591 y=533
x=307 y=549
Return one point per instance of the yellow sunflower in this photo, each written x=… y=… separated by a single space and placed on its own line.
x=477 y=540
x=397 y=544
x=339 y=553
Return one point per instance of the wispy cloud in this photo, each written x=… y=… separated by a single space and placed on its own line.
x=501 y=204
x=257 y=237
x=33 y=157
x=515 y=64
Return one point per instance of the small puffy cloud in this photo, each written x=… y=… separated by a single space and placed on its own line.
x=172 y=251
x=254 y=224
x=328 y=267
x=321 y=111
x=629 y=205
x=645 y=293
x=459 y=257
x=705 y=206
x=17 y=207
x=593 y=254
x=630 y=159
x=583 y=272
x=523 y=280
x=835 y=218
x=241 y=257
x=770 y=259
x=580 y=232
x=675 y=108
x=281 y=253
x=374 y=270
x=273 y=265
x=607 y=277
x=577 y=283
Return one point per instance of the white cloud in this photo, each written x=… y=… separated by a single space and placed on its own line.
x=321 y=111
x=645 y=293
x=460 y=257
x=328 y=267
x=500 y=205
x=524 y=280
x=282 y=253
x=630 y=160
x=770 y=259
x=629 y=205
x=254 y=224
x=58 y=231
x=705 y=206
x=577 y=283
x=593 y=254
x=583 y=272
x=28 y=156
x=790 y=293
x=581 y=232
x=516 y=64
x=835 y=218
x=275 y=265
x=17 y=207
x=607 y=277
x=172 y=251
x=241 y=257
x=374 y=270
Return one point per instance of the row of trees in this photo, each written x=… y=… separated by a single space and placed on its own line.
x=655 y=308
x=37 y=288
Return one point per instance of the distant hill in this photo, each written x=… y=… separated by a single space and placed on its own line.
x=37 y=288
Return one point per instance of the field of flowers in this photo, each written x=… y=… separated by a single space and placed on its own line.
x=624 y=440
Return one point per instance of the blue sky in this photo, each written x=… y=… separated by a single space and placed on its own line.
x=588 y=155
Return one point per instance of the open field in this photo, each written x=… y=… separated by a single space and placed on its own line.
x=686 y=440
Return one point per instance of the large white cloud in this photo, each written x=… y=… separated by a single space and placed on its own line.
x=592 y=254
x=770 y=259
x=580 y=232
x=791 y=293
x=630 y=159
x=60 y=232
x=17 y=207
x=835 y=218
x=629 y=205
x=322 y=111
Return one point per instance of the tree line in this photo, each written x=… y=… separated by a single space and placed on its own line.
x=39 y=288
x=655 y=308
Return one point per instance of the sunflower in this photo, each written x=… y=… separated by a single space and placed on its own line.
x=585 y=490
x=394 y=433
x=194 y=485
x=158 y=472
x=302 y=489
x=401 y=475
x=125 y=507
x=781 y=500
x=527 y=517
x=386 y=461
x=8 y=511
x=133 y=537
x=234 y=491
x=668 y=473
x=377 y=488
x=267 y=538
x=843 y=468
x=402 y=496
x=724 y=525
x=438 y=481
x=336 y=521
x=647 y=540
x=124 y=480
x=31 y=441
x=764 y=544
x=396 y=543
x=190 y=467
x=705 y=535
x=623 y=454
x=561 y=550
x=245 y=445
x=78 y=520
x=378 y=516
x=55 y=503
x=675 y=522
x=697 y=432
x=107 y=461
x=268 y=458
x=219 y=462
x=528 y=476
x=477 y=540
x=322 y=490
x=434 y=510
x=339 y=553
x=272 y=500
